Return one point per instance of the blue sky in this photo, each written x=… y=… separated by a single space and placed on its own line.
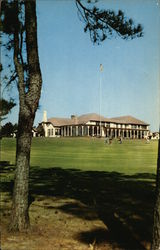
x=70 y=64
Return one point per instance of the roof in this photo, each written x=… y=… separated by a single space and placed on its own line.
x=59 y=121
x=128 y=120
x=83 y=119
x=91 y=117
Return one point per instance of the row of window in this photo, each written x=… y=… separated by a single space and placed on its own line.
x=50 y=132
x=113 y=125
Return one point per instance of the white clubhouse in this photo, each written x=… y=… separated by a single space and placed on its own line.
x=95 y=125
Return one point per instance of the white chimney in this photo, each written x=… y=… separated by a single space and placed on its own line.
x=44 y=116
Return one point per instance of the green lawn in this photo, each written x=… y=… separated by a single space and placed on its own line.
x=133 y=156
x=76 y=182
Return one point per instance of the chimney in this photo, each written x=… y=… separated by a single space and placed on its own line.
x=74 y=118
x=44 y=116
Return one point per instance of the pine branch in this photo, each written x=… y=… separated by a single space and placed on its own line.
x=103 y=24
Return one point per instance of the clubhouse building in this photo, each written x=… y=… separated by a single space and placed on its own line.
x=95 y=125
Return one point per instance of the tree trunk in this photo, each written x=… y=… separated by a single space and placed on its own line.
x=20 y=216
x=156 y=226
x=29 y=98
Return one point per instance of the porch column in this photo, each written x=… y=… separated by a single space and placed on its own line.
x=107 y=132
x=140 y=134
x=70 y=130
x=87 y=130
x=67 y=130
x=137 y=134
x=130 y=132
x=61 y=131
x=115 y=133
x=92 y=130
x=64 y=131
x=134 y=134
x=111 y=132
x=127 y=134
x=123 y=133
x=103 y=131
x=119 y=132
x=76 y=130
x=82 y=130
x=97 y=130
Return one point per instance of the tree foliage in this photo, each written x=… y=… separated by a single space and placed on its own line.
x=5 y=107
x=40 y=130
x=8 y=130
x=101 y=25
x=104 y=24
x=13 y=26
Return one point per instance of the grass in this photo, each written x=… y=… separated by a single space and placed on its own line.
x=84 y=193
x=88 y=154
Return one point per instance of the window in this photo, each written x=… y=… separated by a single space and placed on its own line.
x=49 y=132
x=134 y=126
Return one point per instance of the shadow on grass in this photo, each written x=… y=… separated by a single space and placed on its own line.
x=6 y=173
x=124 y=203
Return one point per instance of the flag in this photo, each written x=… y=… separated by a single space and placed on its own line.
x=101 y=67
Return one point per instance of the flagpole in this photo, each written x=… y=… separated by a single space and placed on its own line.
x=100 y=98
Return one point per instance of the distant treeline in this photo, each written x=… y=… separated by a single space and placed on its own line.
x=8 y=130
